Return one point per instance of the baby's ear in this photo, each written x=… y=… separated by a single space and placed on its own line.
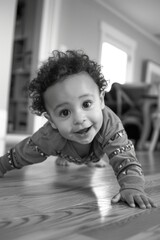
x=47 y=116
x=102 y=94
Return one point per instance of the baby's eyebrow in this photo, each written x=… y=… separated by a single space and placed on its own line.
x=61 y=105
x=87 y=95
x=67 y=103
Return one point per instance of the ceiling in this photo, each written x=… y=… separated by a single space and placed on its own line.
x=144 y=13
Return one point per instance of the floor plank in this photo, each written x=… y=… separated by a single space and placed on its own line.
x=44 y=202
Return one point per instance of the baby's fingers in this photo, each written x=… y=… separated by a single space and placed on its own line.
x=143 y=201
x=148 y=202
x=130 y=200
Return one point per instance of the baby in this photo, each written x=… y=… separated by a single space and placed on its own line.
x=69 y=91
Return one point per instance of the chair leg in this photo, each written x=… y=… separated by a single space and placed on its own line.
x=155 y=135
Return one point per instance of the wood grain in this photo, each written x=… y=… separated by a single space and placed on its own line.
x=45 y=201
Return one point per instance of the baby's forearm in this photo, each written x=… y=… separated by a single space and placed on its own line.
x=130 y=175
x=4 y=165
x=127 y=168
x=23 y=154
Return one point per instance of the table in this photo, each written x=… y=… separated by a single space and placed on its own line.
x=149 y=101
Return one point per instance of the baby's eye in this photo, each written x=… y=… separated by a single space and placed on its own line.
x=87 y=104
x=64 y=113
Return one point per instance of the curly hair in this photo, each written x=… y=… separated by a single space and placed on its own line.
x=59 y=66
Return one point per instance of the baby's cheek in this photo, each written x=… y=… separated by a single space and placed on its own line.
x=64 y=130
x=98 y=117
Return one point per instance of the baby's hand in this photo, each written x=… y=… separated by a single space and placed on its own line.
x=61 y=162
x=100 y=164
x=134 y=197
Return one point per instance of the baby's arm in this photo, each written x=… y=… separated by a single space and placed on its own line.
x=34 y=149
x=131 y=180
x=128 y=171
x=23 y=154
x=134 y=197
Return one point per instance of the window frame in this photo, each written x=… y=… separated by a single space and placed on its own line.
x=122 y=41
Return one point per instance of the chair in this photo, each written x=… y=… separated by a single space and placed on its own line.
x=129 y=104
x=156 y=119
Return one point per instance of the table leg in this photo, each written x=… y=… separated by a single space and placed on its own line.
x=146 y=125
x=155 y=134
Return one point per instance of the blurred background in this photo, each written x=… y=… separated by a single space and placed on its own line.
x=123 y=36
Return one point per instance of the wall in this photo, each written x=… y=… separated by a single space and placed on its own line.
x=7 y=20
x=72 y=24
x=80 y=29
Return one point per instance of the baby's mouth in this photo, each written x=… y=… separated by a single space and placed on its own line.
x=84 y=130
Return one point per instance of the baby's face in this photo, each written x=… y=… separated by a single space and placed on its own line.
x=75 y=108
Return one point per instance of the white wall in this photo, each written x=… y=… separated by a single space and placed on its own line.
x=7 y=20
x=71 y=24
x=80 y=28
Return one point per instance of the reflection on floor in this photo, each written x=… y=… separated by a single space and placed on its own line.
x=47 y=202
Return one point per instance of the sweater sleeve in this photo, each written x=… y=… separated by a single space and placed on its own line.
x=23 y=154
x=122 y=156
x=31 y=150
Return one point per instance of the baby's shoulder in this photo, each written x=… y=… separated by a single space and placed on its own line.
x=48 y=138
x=109 y=117
x=46 y=131
x=111 y=125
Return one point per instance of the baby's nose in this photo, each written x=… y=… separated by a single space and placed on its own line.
x=79 y=117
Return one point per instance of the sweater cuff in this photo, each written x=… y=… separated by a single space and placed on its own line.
x=134 y=182
x=5 y=165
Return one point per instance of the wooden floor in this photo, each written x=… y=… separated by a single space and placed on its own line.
x=47 y=202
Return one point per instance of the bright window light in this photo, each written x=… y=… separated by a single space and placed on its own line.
x=114 y=64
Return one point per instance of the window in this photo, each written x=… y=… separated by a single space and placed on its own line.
x=117 y=55
x=114 y=62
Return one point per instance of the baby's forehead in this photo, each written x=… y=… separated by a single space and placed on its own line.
x=80 y=79
x=79 y=75
x=101 y=84
x=75 y=87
